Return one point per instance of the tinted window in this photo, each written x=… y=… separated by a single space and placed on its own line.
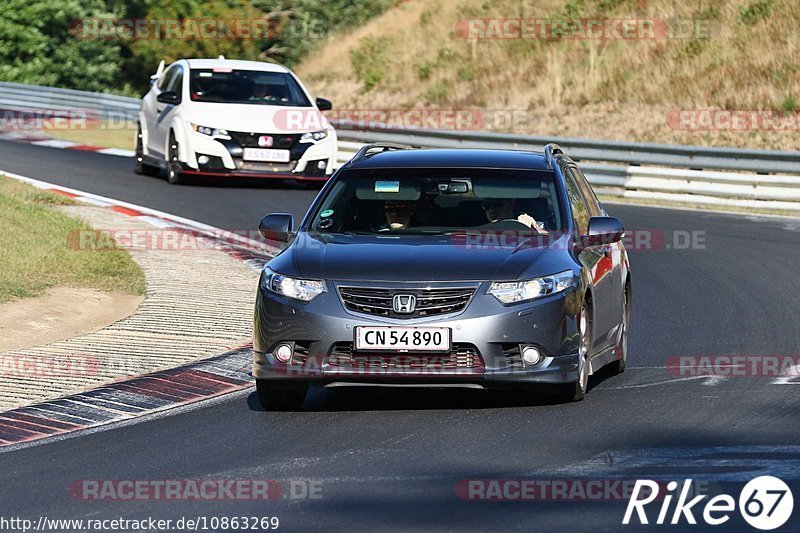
x=166 y=78
x=579 y=210
x=588 y=194
x=176 y=83
x=438 y=201
x=224 y=85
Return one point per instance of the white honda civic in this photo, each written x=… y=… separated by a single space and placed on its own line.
x=229 y=118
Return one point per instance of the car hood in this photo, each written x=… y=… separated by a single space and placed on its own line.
x=256 y=118
x=406 y=258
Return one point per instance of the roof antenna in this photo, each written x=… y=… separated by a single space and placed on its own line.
x=221 y=57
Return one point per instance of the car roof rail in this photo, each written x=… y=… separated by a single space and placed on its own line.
x=365 y=150
x=551 y=150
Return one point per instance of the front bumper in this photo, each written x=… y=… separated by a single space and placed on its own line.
x=225 y=157
x=486 y=337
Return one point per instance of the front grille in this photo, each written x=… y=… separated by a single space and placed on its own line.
x=250 y=140
x=461 y=356
x=259 y=166
x=378 y=301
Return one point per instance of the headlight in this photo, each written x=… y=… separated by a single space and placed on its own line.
x=522 y=291
x=298 y=289
x=313 y=136
x=211 y=132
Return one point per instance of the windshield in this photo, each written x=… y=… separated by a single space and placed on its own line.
x=224 y=85
x=437 y=201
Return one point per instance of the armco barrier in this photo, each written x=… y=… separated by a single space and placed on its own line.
x=689 y=174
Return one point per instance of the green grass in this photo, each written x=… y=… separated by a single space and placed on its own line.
x=368 y=61
x=105 y=136
x=36 y=254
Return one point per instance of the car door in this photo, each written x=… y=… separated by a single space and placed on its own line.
x=614 y=249
x=171 y=81
x=150 y=106
x=598 y=262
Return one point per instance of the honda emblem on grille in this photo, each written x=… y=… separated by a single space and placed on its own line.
x=265 y=141
x=404 y=303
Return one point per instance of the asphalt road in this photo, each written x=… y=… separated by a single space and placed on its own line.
x=390 y=459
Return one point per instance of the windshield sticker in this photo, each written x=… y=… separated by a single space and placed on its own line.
x=325 y=223
x=326 y=213
x=387 y=186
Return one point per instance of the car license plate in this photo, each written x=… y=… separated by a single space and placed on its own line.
x=266 y=154
x=399 y=338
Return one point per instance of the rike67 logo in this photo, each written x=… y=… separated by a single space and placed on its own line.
x=765 y=503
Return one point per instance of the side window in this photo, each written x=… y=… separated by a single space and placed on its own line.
x=166 y=78
x=579 y=210
x=176 y=83
x=591 y=199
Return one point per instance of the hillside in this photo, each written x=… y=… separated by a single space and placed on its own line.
x=664 y=85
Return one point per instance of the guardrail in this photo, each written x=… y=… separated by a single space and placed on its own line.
x=658 y=172
x=38 y=99
x=688 y=174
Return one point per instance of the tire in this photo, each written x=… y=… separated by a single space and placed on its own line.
x=174 y=171
x=280 y=398
x=142 y=167
x=574 y=392
x=618 y=366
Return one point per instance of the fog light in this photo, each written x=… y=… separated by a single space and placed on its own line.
x=531 y=355
x=203 y=159
x=321 y=164
x=283 y=353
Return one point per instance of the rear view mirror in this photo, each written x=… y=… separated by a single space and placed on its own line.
x=604 y=230
x=323 y=104
x=276 y=227
x=169 y=97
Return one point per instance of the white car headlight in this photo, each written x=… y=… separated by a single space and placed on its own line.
x=313 y=136
x=211 y=132
x=298 y=289
x=522 y=291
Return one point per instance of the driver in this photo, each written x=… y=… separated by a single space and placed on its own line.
x=260 y=91
x=501 y=209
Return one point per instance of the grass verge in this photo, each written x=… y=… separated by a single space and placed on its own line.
x=104 y=136
x=35 y=254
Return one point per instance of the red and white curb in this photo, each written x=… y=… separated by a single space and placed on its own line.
x=150 y=393
x=41 y=140
x=128 y=399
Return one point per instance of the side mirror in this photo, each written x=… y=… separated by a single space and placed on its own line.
x=276 y=227
x=604 y=230
x=323 y=104
x=169 y=97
